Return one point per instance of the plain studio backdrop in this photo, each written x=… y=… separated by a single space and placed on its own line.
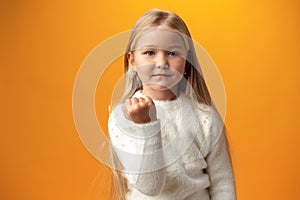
x=255 y=45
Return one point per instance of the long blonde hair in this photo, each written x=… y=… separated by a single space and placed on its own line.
x=193 y=75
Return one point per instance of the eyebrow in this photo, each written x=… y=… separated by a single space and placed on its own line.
x=156 y=47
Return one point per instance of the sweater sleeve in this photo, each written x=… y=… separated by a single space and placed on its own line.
x=137 y=148
x=219 y=169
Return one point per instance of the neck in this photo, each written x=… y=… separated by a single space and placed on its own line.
x=160 y=94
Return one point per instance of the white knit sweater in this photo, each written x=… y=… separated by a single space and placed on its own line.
x=181 y=156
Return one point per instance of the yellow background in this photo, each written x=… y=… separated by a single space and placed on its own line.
x=255 y=44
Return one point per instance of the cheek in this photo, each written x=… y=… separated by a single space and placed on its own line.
x=140 y=61
x=179 y=65
x=144 y=72
x=141 y=71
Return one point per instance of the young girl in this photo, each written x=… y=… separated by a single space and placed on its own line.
x=168 y=141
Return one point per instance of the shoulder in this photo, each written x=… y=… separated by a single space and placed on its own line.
x=203 y=107
x=211 y=125
x=208 y=114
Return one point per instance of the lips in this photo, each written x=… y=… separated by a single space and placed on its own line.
x=165 y=75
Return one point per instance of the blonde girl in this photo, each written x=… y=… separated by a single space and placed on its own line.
x=168 y=141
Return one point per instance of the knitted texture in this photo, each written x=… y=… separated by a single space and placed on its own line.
x=181 y=156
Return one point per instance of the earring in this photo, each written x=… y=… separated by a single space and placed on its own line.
x=133 y=71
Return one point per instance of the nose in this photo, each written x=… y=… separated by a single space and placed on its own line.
x=162 y=60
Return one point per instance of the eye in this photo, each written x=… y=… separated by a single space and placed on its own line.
x=173 y=53
x=149 y=53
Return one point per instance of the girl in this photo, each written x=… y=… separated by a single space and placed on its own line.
x=168 y=141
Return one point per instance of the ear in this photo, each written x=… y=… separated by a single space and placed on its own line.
x=130 y=59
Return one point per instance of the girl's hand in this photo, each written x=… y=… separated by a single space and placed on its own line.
x=139 y=110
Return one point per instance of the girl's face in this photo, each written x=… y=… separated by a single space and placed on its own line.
x=159 y=58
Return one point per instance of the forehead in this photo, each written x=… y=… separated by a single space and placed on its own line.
x=161 y=38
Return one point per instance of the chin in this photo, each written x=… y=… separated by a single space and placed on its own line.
x=161 y=87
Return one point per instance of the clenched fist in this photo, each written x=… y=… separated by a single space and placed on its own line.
x=139 y=110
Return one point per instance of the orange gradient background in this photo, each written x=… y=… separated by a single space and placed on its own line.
x=255 y=44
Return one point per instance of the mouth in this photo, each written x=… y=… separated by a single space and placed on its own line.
x=161 y=75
